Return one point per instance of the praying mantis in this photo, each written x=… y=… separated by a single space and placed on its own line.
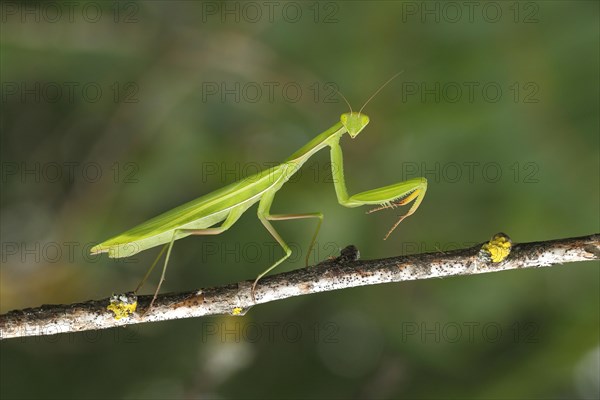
x=226 y=205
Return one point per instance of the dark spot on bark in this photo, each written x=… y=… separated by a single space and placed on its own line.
x=592 y=250
x=401 y=267
x=364 y=273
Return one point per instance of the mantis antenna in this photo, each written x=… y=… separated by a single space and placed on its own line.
x=379 y=90
x=345 y=99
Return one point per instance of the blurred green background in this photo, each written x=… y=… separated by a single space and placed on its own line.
x=113 y=112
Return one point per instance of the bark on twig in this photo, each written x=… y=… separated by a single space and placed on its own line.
x=342 y=272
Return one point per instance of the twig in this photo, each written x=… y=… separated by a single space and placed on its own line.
x=345 y=271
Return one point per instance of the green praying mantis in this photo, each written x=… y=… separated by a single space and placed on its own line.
x=226 y=205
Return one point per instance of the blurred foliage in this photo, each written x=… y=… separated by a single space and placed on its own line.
x=524 y=160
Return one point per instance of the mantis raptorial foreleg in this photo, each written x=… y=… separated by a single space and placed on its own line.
x=417 y=196
x=393 y=195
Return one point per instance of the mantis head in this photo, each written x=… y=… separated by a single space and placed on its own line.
x=354 y=122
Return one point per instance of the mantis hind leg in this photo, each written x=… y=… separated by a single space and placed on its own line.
x=233 y=216
x=143 y=281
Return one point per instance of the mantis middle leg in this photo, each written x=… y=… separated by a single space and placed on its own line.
x=264 y=215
